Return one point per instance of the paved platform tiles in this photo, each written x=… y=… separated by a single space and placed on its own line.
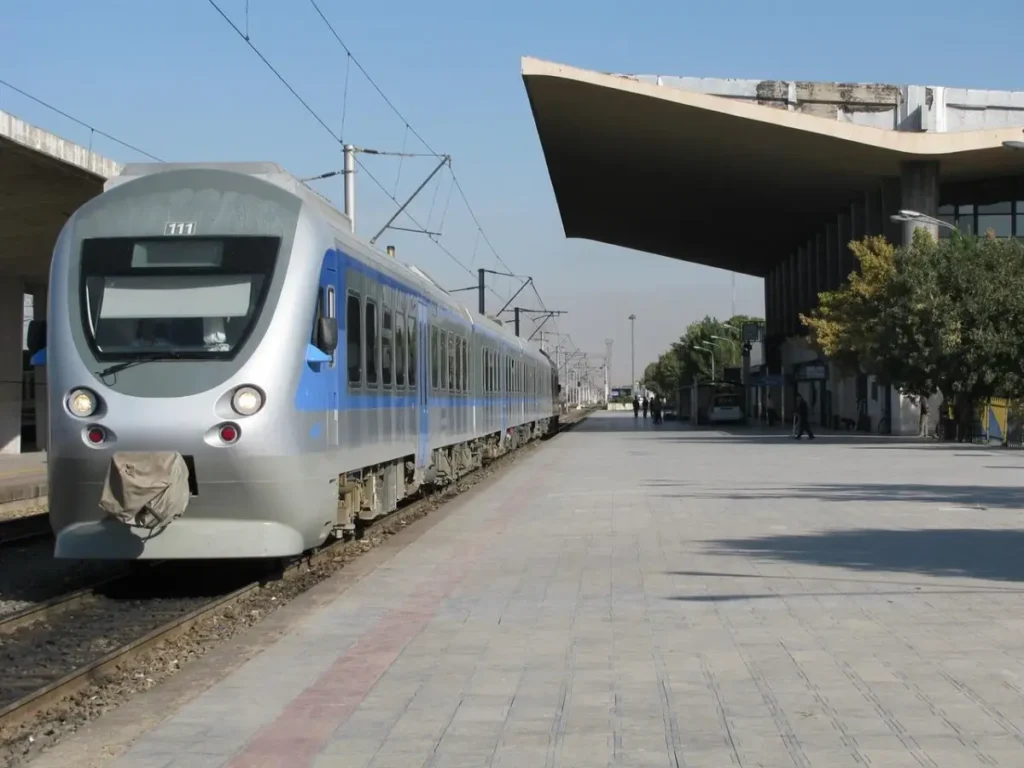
x=22 y=477
x=632 y=595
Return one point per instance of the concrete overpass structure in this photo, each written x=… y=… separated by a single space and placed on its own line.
x=43 y=179
x=773 y=179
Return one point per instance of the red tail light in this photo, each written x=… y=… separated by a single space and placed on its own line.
x=96 y=435
x=228 y=433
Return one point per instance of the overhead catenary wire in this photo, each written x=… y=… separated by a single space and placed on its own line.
x=82 y=123
x=337 y=137
x=455 y=180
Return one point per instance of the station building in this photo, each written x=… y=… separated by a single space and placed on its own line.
x=773 y=179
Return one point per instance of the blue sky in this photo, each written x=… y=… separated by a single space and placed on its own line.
x=175 y=80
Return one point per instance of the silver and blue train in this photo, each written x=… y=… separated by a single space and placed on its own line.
x=225 y=315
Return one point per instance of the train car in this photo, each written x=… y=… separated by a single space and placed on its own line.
x=232 y=374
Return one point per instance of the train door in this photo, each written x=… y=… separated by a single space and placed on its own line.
x=329 y=293
x=422 y=385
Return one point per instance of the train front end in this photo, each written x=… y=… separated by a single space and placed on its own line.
x=173 y=353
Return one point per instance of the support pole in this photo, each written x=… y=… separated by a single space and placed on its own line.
x=350 y=185
x=482 y=288
x=516 y=310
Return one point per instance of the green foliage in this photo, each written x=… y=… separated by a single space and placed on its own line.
x=934 y=316
x=689 y=356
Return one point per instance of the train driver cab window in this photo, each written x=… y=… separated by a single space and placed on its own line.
x=371 y=343
x=330 y=311
x=353 y=347
x=189 y=297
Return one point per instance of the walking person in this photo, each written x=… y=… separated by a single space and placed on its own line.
x=636 y=406
x=802 y=418
x=645 y=405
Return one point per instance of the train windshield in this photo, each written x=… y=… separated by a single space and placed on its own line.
x=186 y=297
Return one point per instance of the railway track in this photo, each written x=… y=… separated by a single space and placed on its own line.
x=51 y=651
x=25 y=529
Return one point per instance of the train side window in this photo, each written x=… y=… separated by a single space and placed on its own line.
x=485 y=370
x=413 y=341
x=449 y=382
x=387 y=341
x=372 y=341
x=354 y=347
x=400 y=349
x=435 y=360
x=465 y=366
x=458 y=365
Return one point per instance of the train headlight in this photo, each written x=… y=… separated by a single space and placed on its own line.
x=82 y=403
x=246 y=401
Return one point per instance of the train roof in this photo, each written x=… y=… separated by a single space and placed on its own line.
x=342 y=224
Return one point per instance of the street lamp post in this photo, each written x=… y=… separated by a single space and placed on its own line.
x=632 y=351
x=906 y=216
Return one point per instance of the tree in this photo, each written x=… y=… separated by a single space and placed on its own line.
x=931 y=317
x=690 y=357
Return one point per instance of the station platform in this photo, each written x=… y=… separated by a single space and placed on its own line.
x=640 y=595
x=22 y=478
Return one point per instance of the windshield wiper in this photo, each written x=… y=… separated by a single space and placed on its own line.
x=118 y=367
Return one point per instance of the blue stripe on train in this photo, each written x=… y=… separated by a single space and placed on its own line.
x=318 y=381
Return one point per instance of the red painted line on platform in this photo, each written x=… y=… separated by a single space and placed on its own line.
x=305 y=725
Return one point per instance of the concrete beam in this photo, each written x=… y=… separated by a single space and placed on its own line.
x=52 y=145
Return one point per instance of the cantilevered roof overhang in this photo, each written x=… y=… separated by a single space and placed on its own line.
x=716 y=181
x=43 y=180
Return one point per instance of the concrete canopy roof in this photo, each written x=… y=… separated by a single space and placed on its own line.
x=715 y=181
x=43 y=180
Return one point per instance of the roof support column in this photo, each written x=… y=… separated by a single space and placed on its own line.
x=803 y=256
x=12 y=314
x=39 y=299
x=831 y=255
x=891 y=204
x=815 y=266
x=769 y=301
x=843 y=237
x=873 y=212
x=792 y=278
x=919 y=181
x=818 y=247
x=857 y=233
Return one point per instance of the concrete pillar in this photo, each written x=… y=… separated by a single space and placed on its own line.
x=891 y=203
x=39 y=297
x=814 y=268
x=771 y=306
x=793 y=276
x=818 y=242
x=858 y=230
x=780 y=278
x=831 y=255
x=803 y=260
x=843 y=255
x=12 y=317
x=873 y=212
x=919 y=191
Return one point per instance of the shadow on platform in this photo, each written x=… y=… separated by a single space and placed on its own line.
x=968 y=497
x=758 y=434
x=956 y=552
